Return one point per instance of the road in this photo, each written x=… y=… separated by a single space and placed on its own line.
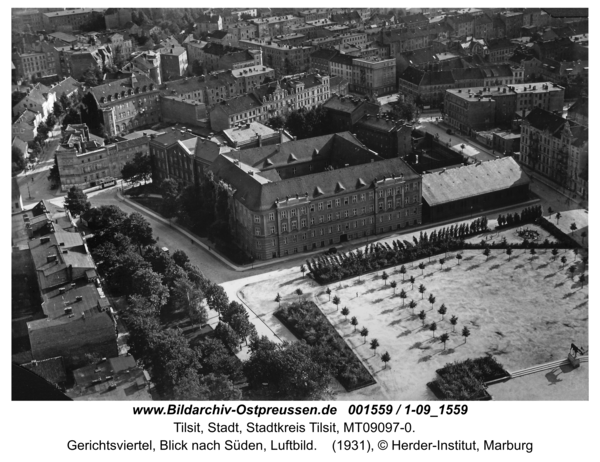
x=34 y=184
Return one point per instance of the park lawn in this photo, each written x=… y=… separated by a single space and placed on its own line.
x=524 y=312
x=495 y=237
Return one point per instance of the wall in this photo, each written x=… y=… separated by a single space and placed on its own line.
x=187 y=112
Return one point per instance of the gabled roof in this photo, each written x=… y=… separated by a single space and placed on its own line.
x=68 y=86
x=472 y=180
x=239 y=104
x=467 y=74
x=412 y=75
x=206 y=150
x=500 y=44
x=420 y=56
x=262 y=196
x=121 y=85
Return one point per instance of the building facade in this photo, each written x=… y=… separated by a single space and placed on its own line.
x=373 y=76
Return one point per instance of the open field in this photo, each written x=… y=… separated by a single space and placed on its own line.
x=524 y=312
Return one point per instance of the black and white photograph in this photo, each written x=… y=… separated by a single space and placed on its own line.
x=336 y=204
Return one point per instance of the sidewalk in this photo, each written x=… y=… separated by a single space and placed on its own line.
x=303 y=256
x=550 y=184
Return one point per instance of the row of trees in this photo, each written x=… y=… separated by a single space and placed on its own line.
x=328 y=268
x=528 y=215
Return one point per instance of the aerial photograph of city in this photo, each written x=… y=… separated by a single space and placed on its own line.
x=336 y=204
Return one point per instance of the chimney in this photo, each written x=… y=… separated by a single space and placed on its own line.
x=259 y=136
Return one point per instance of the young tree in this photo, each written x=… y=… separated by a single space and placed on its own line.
x=453 y=321
x=487 y=252
x=278 y=299
x=583 y=236
x=393 y=285
x=385 y=357
x=554 y=254
x=532 y=252
x=403 y=296
x=336 y=302
x=509 y=253
x=558 y=217
x=458 y=258
x=374 y=346
x=433 y=328
x=412 y=282
x=573 y=228
x=345 y=311
x=442 y=261
x=465 y=333
x=18 y=159
x=563 y=260
x=422 y=267
x=550 y=212
x=364 y=332
x=422 y=316
x=431 y=300
x=572 y=270
x=403 y=271
x=385 y=277
x=442 y=310
x=303 y=269
x=422 y=290
x=77 y=202
x=412 y=305
x=582 y=280
x=444 y=338
x=328 y=292
x=354 y=322
x=299 y=293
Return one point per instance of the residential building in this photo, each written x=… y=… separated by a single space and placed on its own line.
x=36 y=64
x=82 y=60
x=121 y=47
x=66 y=20
x=84 y=161
x=172 y=153
x=206 y=23
x=270 y=100
x=481 y=108
x=209 y=90
x=175 y=109
x=149 y=63
x=27 y=20
x=425 y=87
x=473 y=189
x=320 y=60
x=39 y=99
x=373 y=76
x=344 y=112
x=215 y=57
x=118 y=378
x=463 y=24
x=500 y=50
x=308 y=194
x=254 y=135
x=342 y=65
x=173 y=62
x=513 y=22
x=25 y=126
x=194 y=50
x=68 y=86
x=285 y=59
x=127 y=104
x=242 y=31
x=224 y=37
x=482 y=27
x=556 y=148
x=338 y=86
x=314 y=14
x=387 y=137
x=578 y=112
x=251 y=77
x=275 y=25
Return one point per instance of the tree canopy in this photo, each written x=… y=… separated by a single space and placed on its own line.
x=77 y=202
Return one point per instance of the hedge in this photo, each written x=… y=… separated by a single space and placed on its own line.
x=306 y=322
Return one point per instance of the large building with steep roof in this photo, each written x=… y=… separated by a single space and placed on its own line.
x=313 y=193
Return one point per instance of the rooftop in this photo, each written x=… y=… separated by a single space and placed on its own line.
x=472 y=180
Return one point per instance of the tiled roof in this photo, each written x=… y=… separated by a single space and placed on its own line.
x=68 y=85
x=262 y=196
x=120 y=86
x=497 y=71
x=499 y=44
x=467 y=74
x=171 y=136
x=472 y=180
x=547 y=121
x=218 y=34
x=345 y=60
x=52 y=370
x=420 y=56
x=338 y=103
x=239 y=104
x=206 y=150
